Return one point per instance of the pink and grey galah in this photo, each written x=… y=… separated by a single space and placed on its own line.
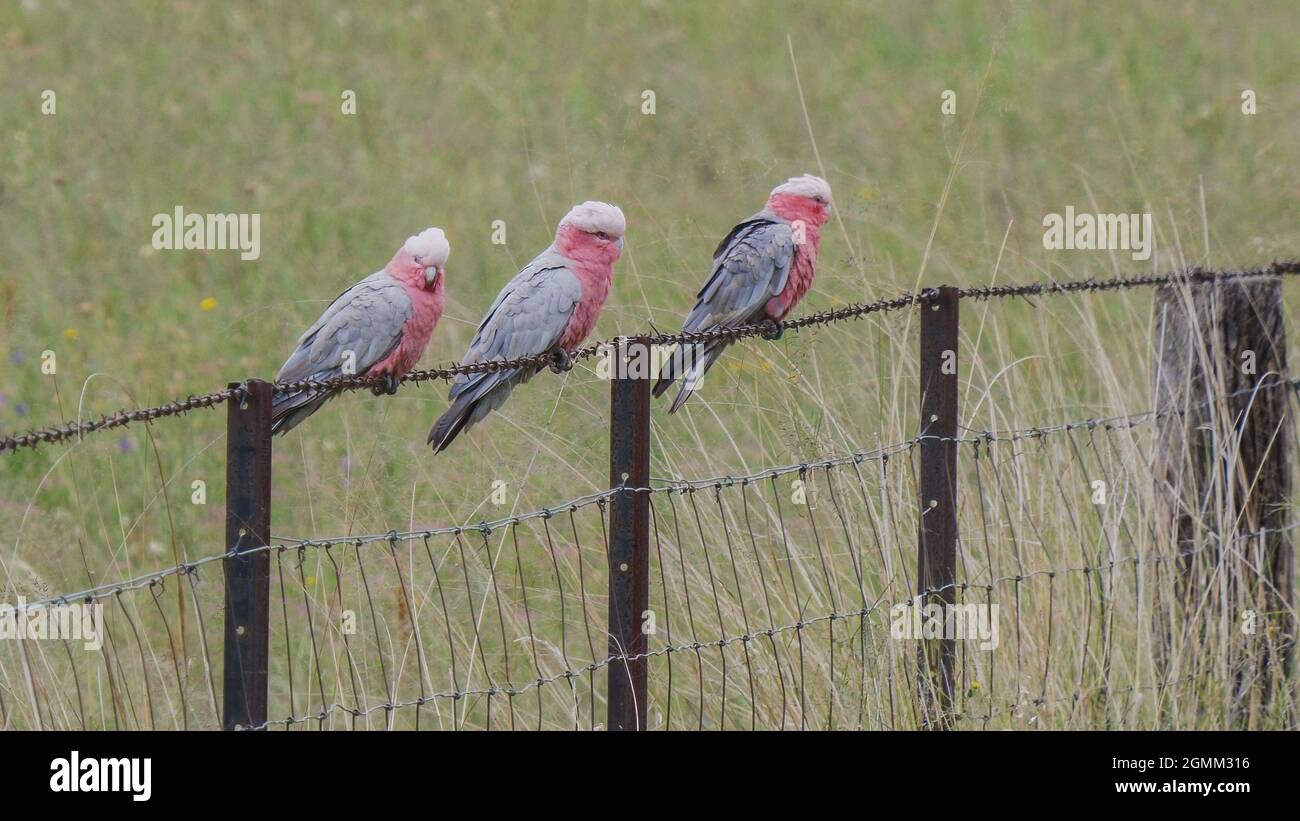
x=550 y=306
x=378 y=327
x=761 y=270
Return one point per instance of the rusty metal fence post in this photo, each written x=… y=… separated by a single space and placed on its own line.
x=248 y=581
x=937 y=531
x=629 y=533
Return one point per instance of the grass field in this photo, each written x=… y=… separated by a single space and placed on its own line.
x=471 y=113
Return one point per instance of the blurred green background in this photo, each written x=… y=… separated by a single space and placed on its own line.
x=473 y=112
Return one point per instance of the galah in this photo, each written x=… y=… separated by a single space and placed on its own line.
x=761 y=270
x=549 y=307
x=378 y=327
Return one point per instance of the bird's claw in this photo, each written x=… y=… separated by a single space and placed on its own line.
x=388 y=387
x=772 y=330
x=561 y=361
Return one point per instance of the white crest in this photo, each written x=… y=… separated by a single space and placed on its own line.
x=429 y=247
x=805 y=186
x=596 y=217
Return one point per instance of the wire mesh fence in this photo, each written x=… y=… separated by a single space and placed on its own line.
x=1087 y=593
x=786 y=599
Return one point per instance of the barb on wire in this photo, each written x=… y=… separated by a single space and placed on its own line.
x=767 y=330
x=1188 y=276
x=59 y=433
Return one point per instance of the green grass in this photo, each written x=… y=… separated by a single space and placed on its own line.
x=470 y=113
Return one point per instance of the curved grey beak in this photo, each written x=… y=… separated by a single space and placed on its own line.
x=430 y=274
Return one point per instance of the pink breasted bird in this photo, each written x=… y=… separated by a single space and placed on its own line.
x=550 y=306
x=378 y=327
x=761 y=270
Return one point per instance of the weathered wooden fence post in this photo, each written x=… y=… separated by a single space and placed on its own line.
x=937 y=532
x=629 y=536
x=248 y=525
x=1223 y=470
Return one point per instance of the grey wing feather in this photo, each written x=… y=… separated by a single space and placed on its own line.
x=530 y=314
x=366 y=321
x=750 y=266
x=528 y=317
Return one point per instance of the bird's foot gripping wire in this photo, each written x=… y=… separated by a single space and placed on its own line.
x=561 y=361
x=388 y=388
x=772 y=329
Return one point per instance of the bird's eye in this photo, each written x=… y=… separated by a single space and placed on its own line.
x=602 y=235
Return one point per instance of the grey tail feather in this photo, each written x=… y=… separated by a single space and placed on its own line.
x=668 y=372
x=451 y=423
x=680 y=399
x=288 y=411
x=474 y=404
x=711 y=353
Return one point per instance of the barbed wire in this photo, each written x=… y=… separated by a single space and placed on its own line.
x=552 y=359
x=1187 y=276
